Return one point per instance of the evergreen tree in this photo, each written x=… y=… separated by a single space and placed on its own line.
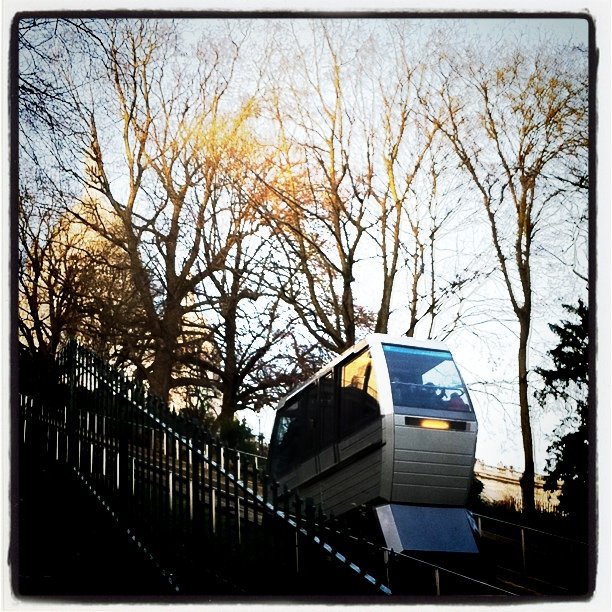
x=567 y=381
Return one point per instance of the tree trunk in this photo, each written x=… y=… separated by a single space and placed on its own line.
x=527 y=480
x=348 y=312
x=160 y=377
x=382 y=319
x=230 y=381
x=228 y=407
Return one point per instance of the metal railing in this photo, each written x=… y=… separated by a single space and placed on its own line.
x=536 y=554
x=411 y=575
x=199 y=509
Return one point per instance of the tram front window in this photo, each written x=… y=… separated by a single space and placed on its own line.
x=425 y=378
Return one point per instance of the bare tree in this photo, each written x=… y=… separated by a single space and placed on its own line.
x=172 y=133
x=514 y=122
x=44 y=96
x=406 y=141
x=248 y=331
x=414 y=185
x=357 y=196
x=442 y=265
x=48 y=282
x=65 y=278
x=168 y=150
x=318 y=203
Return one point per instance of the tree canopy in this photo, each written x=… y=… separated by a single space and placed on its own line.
x=220 y=205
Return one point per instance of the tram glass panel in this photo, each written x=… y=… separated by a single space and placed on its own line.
x=425 y=378
x=294 y=437
x=358 y=394
x=329 y=415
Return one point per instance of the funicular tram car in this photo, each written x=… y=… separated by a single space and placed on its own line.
x=387 y=425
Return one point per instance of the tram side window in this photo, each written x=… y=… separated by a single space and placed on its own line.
x=295 y=434
x=328 y=410
x=358 y=394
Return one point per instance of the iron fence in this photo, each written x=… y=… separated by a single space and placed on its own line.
x=199 y=509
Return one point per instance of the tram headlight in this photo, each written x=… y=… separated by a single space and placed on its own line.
x=435 y=424
x=440 y=424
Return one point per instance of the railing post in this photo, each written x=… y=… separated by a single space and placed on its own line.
x=72 y=427
x=255 y=485
x=218 y=453
x=190 y=468
x=123 y=468
x=66 y=433
x=24 y=403
x=244 y=495
x=213 y=508
x=298 y=521
x=387 y=562
x=195 y=475
x=523 y=550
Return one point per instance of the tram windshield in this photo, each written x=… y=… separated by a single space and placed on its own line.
x=425 y=378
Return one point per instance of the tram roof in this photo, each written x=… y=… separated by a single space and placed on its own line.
x=369 y=340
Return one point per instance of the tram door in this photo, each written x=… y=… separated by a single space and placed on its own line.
x=348 y=403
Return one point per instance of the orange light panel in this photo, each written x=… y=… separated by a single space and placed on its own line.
x=435 y=424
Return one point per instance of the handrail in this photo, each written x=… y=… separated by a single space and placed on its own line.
x=546 y=533
x=454 y=573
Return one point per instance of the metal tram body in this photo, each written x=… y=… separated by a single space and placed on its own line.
x=388 y=424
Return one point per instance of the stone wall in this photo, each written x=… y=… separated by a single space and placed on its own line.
x=502 y=484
